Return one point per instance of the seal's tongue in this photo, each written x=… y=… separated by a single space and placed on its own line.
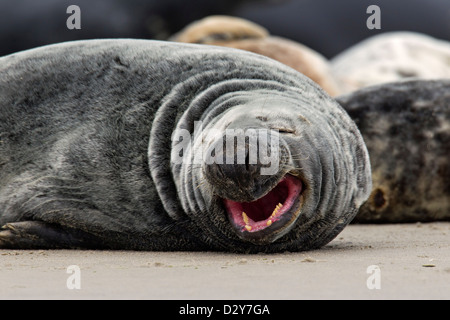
x=262 y=213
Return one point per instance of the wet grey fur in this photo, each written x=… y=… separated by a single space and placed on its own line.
x=406 y=126
x=85 y=147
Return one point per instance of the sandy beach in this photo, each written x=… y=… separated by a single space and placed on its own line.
x=409 y=261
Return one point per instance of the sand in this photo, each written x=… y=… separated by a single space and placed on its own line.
x=412 y=261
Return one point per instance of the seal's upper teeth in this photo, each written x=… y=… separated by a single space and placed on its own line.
x=245 y=217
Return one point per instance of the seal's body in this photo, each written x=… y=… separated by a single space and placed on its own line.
x=391 y=57
x=406 y=126
x=89 y=148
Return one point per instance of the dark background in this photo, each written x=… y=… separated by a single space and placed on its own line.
x=328 y=26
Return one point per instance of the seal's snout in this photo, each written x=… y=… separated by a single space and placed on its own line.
x=241 y=164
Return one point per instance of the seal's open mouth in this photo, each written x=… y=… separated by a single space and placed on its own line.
x=274 y=211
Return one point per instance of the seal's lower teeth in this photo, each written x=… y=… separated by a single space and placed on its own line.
x=274 y=212
x=268 y=223
x=277 y=208
x=245 y=217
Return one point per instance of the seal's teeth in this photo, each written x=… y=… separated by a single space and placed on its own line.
x=245 y=217
x=249 y=228
x=269 y=222
x=275 y=211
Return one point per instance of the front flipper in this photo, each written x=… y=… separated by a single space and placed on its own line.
x=41 y=235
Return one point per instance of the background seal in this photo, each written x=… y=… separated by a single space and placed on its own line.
x=406 y=126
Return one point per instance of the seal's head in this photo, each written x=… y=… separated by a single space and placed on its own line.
x=251 y=169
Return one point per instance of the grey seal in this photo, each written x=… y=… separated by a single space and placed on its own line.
x=406 y=127
x=90 y=136
x=391 y=57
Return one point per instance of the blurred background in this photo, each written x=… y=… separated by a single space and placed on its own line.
x=327 y=26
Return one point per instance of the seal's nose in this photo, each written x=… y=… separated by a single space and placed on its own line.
x=236 y=164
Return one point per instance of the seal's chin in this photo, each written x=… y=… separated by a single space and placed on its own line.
x=265 y=219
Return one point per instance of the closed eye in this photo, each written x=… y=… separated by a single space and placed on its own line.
x=284 y=130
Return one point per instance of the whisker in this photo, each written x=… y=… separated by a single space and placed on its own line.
x=291 y=168
x=201 y=184
x=296 y=157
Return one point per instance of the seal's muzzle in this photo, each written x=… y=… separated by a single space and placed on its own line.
x=259 y=206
